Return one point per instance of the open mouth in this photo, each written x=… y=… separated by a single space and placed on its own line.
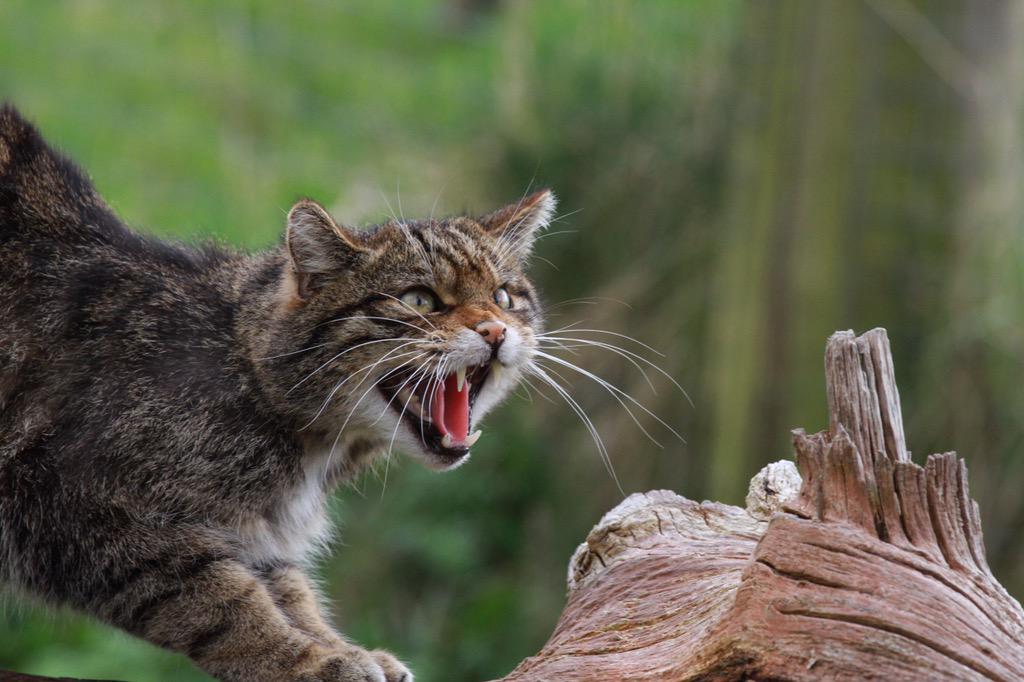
x=439 y=413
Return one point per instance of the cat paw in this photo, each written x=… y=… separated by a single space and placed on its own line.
x=394 y=671
x=357 y=665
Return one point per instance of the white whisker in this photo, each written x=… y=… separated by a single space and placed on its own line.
x=581 y=413
x=394 y=434
x=437 y=198
x=294 y=352
x=577 y=330
x=372 y=317
x=628 y=354
x=344 y=352
x=615 y=391
x=406 y=305
x=364 y=370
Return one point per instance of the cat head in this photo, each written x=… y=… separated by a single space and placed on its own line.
x=405 y=334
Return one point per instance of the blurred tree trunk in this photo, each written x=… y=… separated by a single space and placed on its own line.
x=840 y=166
x=980 y=344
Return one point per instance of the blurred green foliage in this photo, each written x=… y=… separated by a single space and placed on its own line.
x=737 y=181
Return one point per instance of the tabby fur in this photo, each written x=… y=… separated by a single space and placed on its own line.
x=171 y=416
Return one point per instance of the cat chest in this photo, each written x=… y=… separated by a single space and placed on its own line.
x=292 y=528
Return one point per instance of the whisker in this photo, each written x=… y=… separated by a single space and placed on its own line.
x=367 y=369
x=361 y=398
x=577 y=330
x=399 y=389
x=548 y=261
x=348 y=417
x=552 y=234
x=547 y=342
x=613 y=389
x=406 y=305
x=437 y=198
x=415 y=245
x=388 y=204
x=588 y=300
x=569 y=327
x=584 y=344
x=394 y=434
x=347 y=350
x=629 y=355
x=398 y=194
x=294 y=352
x=432 y=389
x=632 y=416
x=581 y=413
x=539 y=392
x=563 y=217
x=371 y=317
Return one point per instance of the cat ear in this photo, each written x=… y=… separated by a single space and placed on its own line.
x=318 y=247
x=518 y=224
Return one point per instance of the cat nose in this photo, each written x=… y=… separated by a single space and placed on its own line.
x=493 y=332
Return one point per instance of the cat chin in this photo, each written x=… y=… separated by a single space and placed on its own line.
x=436 y=461
x=441 y=463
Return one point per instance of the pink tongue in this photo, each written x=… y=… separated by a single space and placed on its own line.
x=450 y=410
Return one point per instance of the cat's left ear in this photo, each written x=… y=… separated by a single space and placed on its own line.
x=318 y=247
x=518 y=224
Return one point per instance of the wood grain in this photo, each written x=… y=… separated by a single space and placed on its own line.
x=872 y=568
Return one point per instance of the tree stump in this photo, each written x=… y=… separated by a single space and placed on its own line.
x=863 y=565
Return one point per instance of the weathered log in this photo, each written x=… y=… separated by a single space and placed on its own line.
x=863 y=565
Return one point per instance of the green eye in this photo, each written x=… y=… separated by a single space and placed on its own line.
x=421 y=300
x=502 y=298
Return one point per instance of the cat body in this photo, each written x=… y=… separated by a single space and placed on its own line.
x=173 y=418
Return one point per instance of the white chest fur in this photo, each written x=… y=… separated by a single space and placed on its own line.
x=296 y=528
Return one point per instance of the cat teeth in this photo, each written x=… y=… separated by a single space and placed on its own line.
x=448 y=442
x=496 y=369
x=460 y=378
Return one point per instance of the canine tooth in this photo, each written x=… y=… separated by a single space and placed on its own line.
x=446 y=441
x=404 y=395
x=460 y=378
x=472 y=438
x=496 y=371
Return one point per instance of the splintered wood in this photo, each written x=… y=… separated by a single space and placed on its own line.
x=866 y=565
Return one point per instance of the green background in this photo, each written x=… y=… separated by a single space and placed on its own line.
x=737 y=181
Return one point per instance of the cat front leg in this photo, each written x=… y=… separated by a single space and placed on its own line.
x=298 y=599
x=224 y=617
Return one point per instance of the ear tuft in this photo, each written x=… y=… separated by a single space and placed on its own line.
x=517 y=224
x=318 y=247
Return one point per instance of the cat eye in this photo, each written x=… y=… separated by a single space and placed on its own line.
x=502 y=298
x=421 y=300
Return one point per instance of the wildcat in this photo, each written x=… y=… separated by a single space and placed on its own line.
x=172 y=418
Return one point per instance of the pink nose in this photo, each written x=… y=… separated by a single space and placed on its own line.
x=493 y=331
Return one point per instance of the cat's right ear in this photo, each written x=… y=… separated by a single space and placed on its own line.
x=318 y=247
x=518 y=224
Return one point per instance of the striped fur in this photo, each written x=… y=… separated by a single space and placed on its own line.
x=171 y=416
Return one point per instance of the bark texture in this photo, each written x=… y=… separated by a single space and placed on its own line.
x=863 y=566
